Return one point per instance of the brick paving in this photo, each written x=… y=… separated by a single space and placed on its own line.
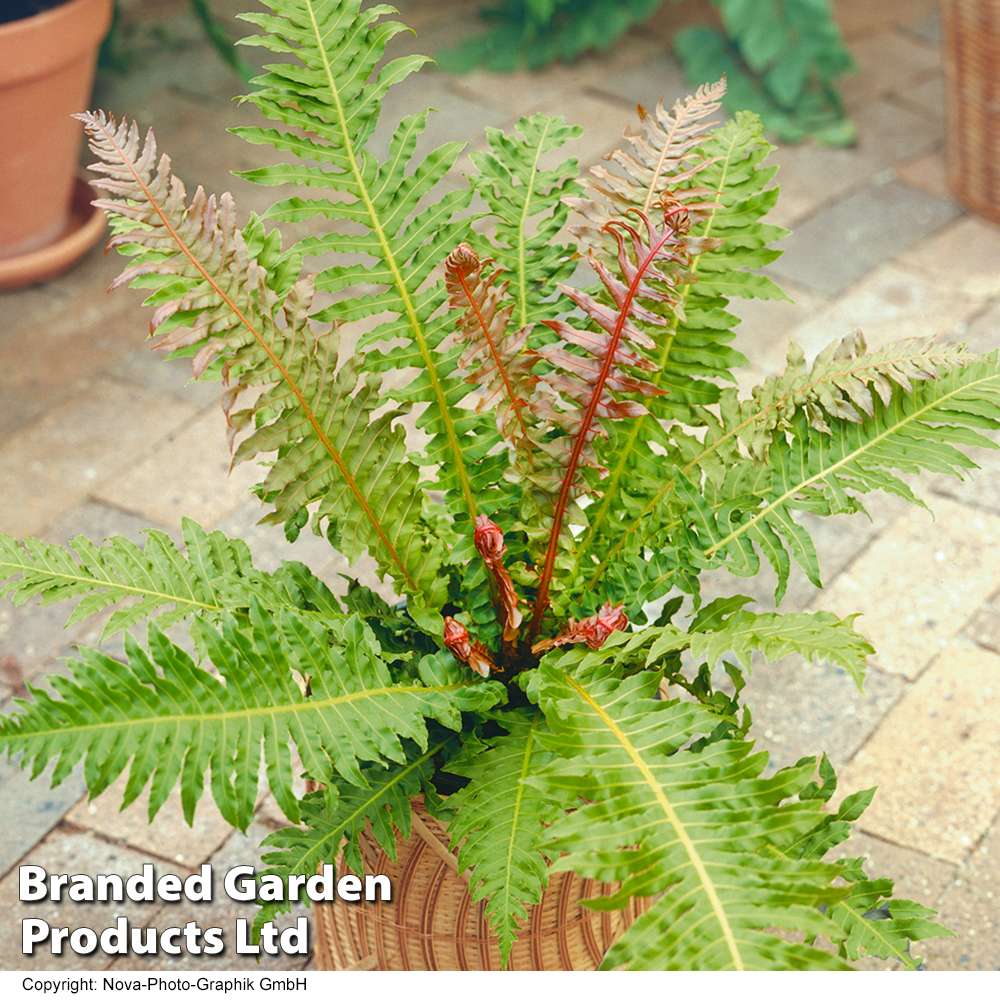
x=98 y=438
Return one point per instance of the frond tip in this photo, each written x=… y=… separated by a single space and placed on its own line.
x=195 y=248
x=500 y=820
x=665 y=155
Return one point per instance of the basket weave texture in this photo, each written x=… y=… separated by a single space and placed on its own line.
x=971 y=30
x=431 y=923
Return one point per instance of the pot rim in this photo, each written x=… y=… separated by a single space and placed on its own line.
x=43 y=43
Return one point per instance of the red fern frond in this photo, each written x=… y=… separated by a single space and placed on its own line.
x=489 y=543
x=663 y=155
x=647 y=263
x=495 y=359
x=550 y=420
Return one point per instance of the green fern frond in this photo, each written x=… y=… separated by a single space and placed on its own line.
x=530 y=205
x=329 y=99
x=820 y=635
x=213 y=291
x=926 y=430
x=499 y=822
x=722 y=627
x=870 y=922
x=213 y=576
x=721 y=508
x=645 y=823
x=356 y=466
x=736 y=244
x=334 y=817
x=736 y=179
x=841 y=383
x=174 y=720
x=876 y=929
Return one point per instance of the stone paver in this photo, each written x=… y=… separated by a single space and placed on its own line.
x=806 y=709
x=604 y=120
x=927 y=172
x=962 y=256
x=223 y=912
x=68 y=352
x=628 y=76
x=926 y=25
x=270 y=548
x=30 y=810
x=889 y=305
x=937 y=795
x=982 y=333
x=970 y=907
x=71 y=852
x=654 y=79
x=926 y=98
x=188 y=476
x=168 y=377
x=33 y=635
x=765 y=329
x=850 y=239
x=984 y=628
x=891 y=133
x=858 y=18
x=98 y=437
x=909 y=616
x=65 y=456
x=889 y=61
x=168 y=837
x=432 y=90
x=890 y=136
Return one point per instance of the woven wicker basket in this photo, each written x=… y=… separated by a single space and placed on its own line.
x=972 y=76
x=432 y=924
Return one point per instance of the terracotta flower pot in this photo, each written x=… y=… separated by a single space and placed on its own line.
x=47 y=66
x=432 y=924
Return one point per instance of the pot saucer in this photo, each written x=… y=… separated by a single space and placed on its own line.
x=85 y=226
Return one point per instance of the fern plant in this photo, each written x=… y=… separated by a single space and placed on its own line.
x=552 y=683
